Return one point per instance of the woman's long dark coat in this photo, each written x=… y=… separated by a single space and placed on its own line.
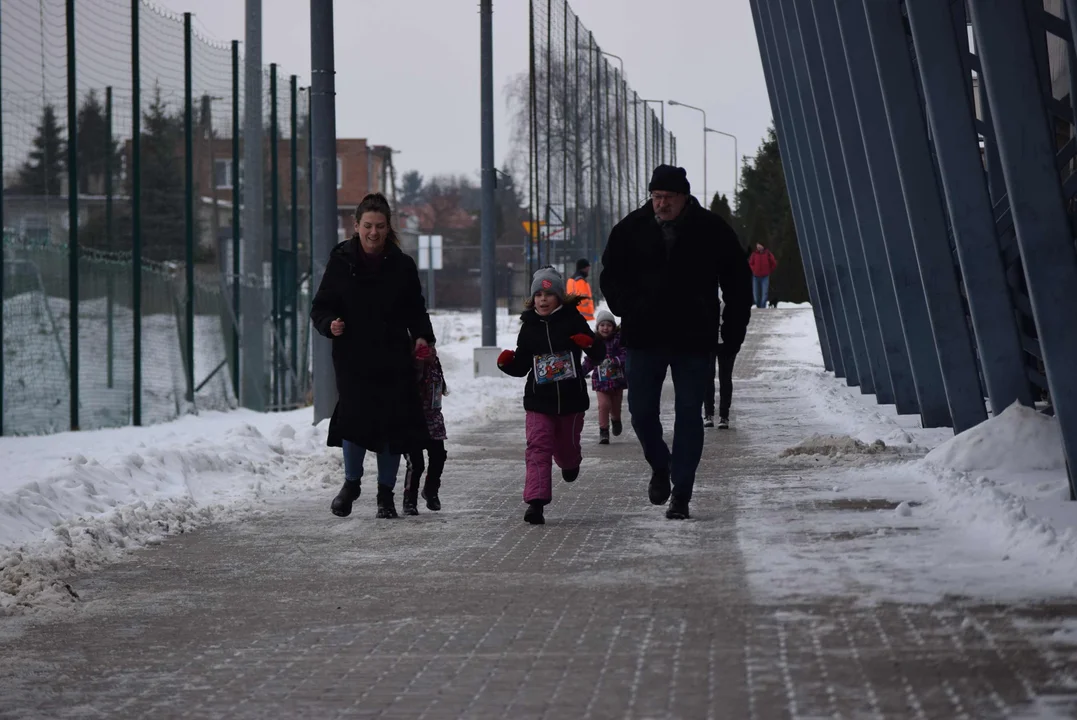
x=382 y=306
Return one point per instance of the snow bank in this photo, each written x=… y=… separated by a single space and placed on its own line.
x=1019 y=439
x=984 y=515
x=71 y=502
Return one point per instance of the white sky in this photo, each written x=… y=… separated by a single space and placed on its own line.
x=408 y=70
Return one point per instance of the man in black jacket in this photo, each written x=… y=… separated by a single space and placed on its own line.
x=661 y=272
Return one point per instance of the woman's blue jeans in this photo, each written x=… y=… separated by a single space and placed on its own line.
x=388 y=464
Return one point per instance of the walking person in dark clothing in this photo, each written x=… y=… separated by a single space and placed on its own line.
x=723 y=364
x=674 y=248
x=370 y=304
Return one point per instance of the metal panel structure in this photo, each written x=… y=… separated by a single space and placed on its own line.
x=933 y=183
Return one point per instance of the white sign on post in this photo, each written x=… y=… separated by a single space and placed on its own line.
x=430 y=252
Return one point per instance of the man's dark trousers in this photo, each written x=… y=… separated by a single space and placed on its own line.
x=692 y=374
x=722 y=363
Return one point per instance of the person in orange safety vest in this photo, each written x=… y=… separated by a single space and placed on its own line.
x=578 y=285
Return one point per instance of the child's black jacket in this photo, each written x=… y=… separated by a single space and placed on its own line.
x=551 y=335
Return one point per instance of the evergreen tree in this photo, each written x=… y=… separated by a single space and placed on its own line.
x=763 y=209
x=411 y=188
x=43 y=170
x=163 y=217
x=94 y=146
x=720 y=206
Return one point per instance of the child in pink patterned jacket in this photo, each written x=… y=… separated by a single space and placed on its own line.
x=608 y=377
x=432 y=388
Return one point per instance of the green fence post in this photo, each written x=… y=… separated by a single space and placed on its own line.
x=274 y=252
x=294 y=279
x=235 y=217
x=72 y=216
x=188 y=205
x=136 y=221
x=110 y=280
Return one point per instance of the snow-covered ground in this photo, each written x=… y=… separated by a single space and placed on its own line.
x=917 y=514
x=72 y=501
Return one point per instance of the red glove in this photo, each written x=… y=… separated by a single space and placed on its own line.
x=505 y=357
x=584 y=341
x=422 y=352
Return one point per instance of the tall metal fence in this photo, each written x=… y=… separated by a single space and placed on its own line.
x=593 y=139
x=121 y=190
x=929 y=150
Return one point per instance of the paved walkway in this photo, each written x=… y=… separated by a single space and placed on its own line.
x=608 y=611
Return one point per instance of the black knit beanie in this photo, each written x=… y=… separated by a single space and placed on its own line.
x=667 y=178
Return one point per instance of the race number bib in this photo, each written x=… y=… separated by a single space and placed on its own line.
x=608 y=372
x=554 y=367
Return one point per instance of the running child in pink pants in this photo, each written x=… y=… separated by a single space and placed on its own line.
x=553 y=336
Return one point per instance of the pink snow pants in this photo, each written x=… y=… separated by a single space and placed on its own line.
x=553 y=438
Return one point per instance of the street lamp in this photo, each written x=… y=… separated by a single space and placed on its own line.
x=693 y=107
x=736 y=158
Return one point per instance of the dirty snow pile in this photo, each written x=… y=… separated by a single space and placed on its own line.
x=835 y=446
x=70 y=502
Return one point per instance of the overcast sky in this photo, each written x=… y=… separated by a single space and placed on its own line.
x=408 y=70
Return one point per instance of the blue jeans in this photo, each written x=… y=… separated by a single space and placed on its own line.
x=761 y=290
x=388 y=464
x=692 y=373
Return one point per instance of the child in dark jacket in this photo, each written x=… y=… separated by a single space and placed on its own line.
x=432 y=387
x=608 y=377
x=548 y=349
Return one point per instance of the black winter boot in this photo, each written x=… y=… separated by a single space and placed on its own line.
x=570 y=474
x=533 y=514
x=603 y=436
x=386 y=505
x=342 y=503
x=433 y=502
x=616 y=427
x=659 y=489
x=411 y=501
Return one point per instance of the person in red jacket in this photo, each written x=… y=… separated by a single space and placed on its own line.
x=763 y=263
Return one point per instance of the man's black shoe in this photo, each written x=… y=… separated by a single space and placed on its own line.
x=678 y=510
x=658 y=491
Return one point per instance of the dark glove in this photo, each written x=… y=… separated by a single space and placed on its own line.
x=584 y=341
x=505 y=358
x=728 y=350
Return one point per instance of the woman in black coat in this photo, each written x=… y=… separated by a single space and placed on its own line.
x=370 y=304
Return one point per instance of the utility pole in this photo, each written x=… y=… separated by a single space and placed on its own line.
x=252 y=389
x=489 y=179
x=323 y=191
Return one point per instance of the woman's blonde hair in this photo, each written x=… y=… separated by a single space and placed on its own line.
x=376 y=202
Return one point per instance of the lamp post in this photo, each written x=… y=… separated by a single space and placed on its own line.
x=736 y=158
x=674 y=103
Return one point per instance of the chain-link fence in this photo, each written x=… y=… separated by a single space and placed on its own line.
x=593 y=139
x=130 y=315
